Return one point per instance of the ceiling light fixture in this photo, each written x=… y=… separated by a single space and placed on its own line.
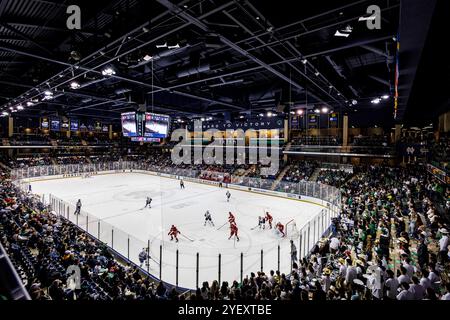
x=108 y=72
x=74 y=85
x=147 y=57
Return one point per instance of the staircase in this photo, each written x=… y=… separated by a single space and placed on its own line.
x=315 y=175
x=280 y=177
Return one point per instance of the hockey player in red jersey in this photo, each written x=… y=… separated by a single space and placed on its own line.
x=234 y=231
x=269 y=219
x=173 y=232
x=280 y=228
x=231 y=218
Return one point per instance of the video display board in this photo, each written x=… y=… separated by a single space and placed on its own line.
x=156 y=125
x=129 y=128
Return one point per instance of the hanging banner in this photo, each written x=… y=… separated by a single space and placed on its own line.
x=313 y=121
x=295 y=122
x=333 y=120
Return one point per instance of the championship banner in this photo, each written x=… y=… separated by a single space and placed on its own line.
x=295 y=123
x=269 y=123
x=333 y=120
x=313 y=121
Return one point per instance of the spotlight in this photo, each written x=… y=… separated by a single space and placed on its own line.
x=74 y=85
x=241 y=117
x=108 y=72
x=340 y=34
x=261 y=114
x=316 y=110
x=375 y=101
x=317 y=73
x=299 y=111
x=304 y=61
x=147 y=57
x=19 y=107
x=5 y=113
x=354 y=102
x=325 y=110
x=48 y=93
x=202 y=119
x=386 y=96
x=269 y=114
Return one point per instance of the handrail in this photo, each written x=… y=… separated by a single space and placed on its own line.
x=9 y=279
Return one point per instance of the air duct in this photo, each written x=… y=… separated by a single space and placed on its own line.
x=193 y=70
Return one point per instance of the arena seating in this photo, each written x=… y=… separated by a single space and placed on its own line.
x=390 y=223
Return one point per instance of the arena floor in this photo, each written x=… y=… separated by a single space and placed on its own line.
x=118 y=200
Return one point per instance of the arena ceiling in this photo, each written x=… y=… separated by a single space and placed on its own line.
x=210 y=57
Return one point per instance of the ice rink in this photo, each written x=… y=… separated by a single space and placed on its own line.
x=118 y=200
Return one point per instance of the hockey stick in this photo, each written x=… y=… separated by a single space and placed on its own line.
x=255 y=227
x=222 y=226
x=187 y=237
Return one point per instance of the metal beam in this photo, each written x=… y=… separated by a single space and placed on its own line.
x=382 y=81
x=176 y=10
x=377 y=51
x=25 y=37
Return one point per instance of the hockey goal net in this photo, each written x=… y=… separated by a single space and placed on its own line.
x=292 y=231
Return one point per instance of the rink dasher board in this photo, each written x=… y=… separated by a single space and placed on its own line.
x=290 y=196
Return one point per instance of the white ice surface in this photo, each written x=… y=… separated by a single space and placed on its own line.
x=118 y=201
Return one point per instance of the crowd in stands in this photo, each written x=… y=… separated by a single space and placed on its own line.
x=370 y=141
x=439 y=151
x=300 y=171
x=334 y=177
x=29 y=140
x=317 y=140
x=390 y=242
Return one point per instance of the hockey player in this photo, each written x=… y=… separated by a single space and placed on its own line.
x=78 y=209
x=261 y=222
x=280 y=228
x=148 y=202
x=173 y=233
x=231 y=218
x=143 y=256
x=208 y=218
x=228 y=194
x=181 y=184
x=29 y=188
x=234 y=231
x=269 y=219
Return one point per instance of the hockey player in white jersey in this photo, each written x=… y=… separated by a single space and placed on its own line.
x=228 y=194
x=208 y=218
